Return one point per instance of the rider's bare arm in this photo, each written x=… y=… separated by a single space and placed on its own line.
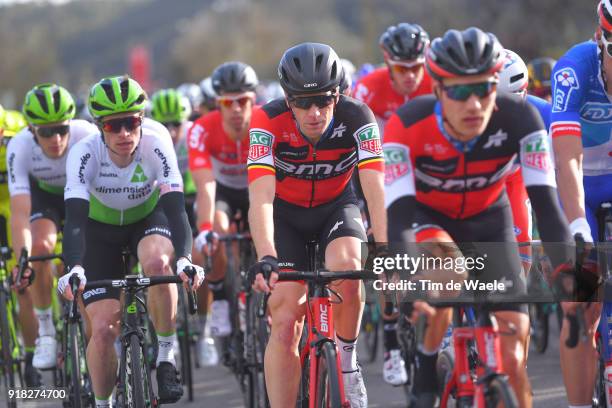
x=261 y=196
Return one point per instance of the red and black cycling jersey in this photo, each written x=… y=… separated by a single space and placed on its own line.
x=458 y=179
x=310 y=175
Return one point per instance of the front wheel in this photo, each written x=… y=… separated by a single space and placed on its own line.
x=134 y=392
x=6 y=345
x=539 y=326
x=328 y=381
x=499 y=392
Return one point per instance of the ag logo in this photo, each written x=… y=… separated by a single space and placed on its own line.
x=396 y=163
x=369 y=140
x=535 y=152
x=139 y=175
x=260 y=144
x=565 y=82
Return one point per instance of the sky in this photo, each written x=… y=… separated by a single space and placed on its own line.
x=5 y=2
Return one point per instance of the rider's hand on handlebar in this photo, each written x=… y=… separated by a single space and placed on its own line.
x=264 y=274
x=207 y=242
x=26 y=278
x=182 y=265
x=63 y=284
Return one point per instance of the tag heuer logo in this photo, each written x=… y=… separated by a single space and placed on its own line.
x=260 y=145
x=369 y=140
x=138 y=176
x=396 y=164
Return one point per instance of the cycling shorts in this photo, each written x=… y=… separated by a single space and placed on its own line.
x=104 y=244
x=493 y=225
x=46 y=205
x=597 y=189
x=231 y=201
x=295 y=226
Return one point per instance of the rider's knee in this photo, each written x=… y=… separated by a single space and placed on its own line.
x=155 y=265
x=42 y=245
x=104 y=330
x=287 y=329
x=513 y=362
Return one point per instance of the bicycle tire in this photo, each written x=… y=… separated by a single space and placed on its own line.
x=498 y=391
x=444 y=368
x=371 y=329
x=184 y=335
x=75 y=366
x=328 y=380
x=599 y=393
x=540 y=327
x=260 y=340
x=134 y=375
x=8 y=369
x=408 y=345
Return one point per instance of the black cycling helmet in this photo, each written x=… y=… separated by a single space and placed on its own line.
x=234 y=76
x=460 y=53
x=309 y=68
x=404 y=42
x=540 y=71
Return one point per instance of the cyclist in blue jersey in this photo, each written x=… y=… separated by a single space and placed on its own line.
x=580 y=128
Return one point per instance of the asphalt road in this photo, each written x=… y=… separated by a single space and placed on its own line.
x=216 y=386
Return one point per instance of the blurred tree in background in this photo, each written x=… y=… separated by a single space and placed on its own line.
x=81 y=41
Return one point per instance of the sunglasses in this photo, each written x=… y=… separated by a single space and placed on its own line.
x=305 y=102
x=172 y=124
x=463 y=92
x=402 y=68
x=50 y=131
x=129 y=123
x=606 y=42
x=228 y=102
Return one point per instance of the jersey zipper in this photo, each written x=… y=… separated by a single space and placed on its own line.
x=314 y=174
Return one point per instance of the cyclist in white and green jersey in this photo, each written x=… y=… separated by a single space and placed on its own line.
x=36 y=164
x=172 y=109
x=124 y=189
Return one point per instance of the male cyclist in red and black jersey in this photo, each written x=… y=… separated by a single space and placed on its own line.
x=303 y=151
x=218 y=150
x=448 y=156
x=402 y=78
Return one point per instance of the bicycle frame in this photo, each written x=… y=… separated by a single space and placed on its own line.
x=487 y=340
x=604 y=329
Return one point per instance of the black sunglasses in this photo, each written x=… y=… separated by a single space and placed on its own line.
x=172 y=124
x=50 y=131
x=464 y=91
x=129 y=123
x=305 y=102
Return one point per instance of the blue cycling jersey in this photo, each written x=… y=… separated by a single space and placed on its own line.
x=582 y=108
x=543 y=107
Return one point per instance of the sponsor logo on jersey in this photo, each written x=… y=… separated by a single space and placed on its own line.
x=139 y=175
x=286 y=151
x=396 y=163
x=260 y=145
x=164 y=161
x=84 y=159
x=535 y=152
x=11 y=167
x=338 y=131
x=320 y=170
x=596 y=112
x=427 y=182
x=565 y=81
x=92 y=292
x=496 y=139
x=369 y=139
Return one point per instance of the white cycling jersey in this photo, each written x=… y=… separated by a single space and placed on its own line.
x=25 y=158
x=117 y=195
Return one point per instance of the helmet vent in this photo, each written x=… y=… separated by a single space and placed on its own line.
x=486 y=52
x=318 y=62
x=298 y=64
x=124 y=86
x=108 y=90
x=56 y=100
x=42 y=101
x=517 y=77
x=333 y=71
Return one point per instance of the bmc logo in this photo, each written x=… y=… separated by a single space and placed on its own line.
x=324 y=318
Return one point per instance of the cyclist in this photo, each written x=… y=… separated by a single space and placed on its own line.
x=209 y=97
x=448 y=158
x=218 y=151
x=384 y=90
x=124 y=188
x=402 y=78
x=172 y=110
x=36 y=163
x=514 y=78
x=193 y=93
x=540 y=71
x=349 y=69
x=303 y=151
x=581 y=143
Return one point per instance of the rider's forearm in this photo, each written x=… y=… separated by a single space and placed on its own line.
x=373 y=186
x=77 y=211
x=568 y=159
x=20 y=223
x=173 y=204
x=205 y=200
x=261 y=215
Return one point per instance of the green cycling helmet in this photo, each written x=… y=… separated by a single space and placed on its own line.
x=48 y=103
x=114 y=95
x=170 y=106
